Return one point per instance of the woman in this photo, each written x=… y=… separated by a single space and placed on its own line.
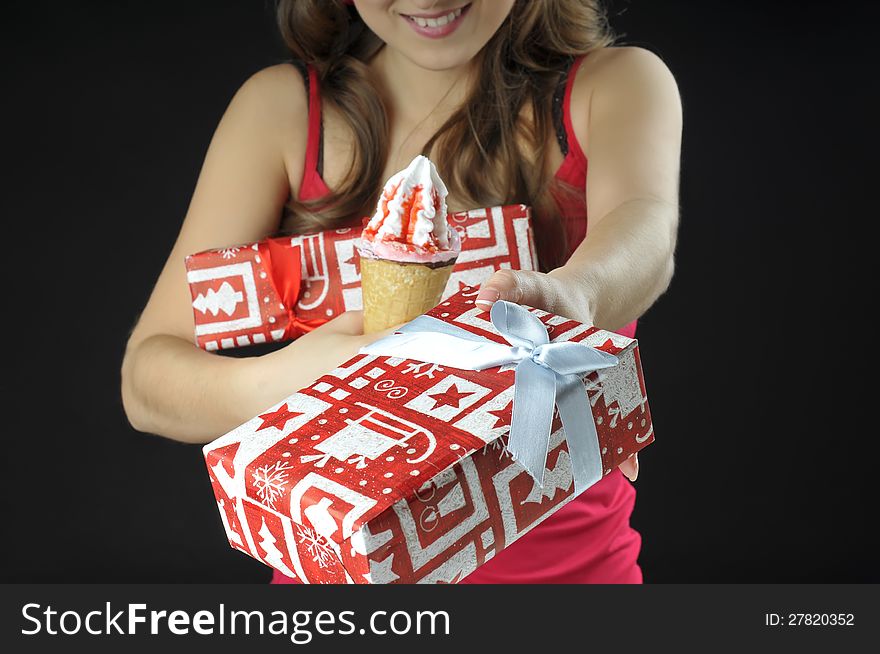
x=510 y=99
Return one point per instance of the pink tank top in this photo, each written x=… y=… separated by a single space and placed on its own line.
x=590 y=539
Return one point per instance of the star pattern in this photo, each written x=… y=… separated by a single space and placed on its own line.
x=278 y=418
x=501 y=414
x=355 y=260
x=610 y=347
x=452 y=396
x=381 y=572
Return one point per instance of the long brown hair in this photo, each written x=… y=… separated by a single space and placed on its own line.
x=519 y=66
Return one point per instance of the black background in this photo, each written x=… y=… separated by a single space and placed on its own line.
x=757 y=359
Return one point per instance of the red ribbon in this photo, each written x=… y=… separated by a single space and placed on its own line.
x=284 y=266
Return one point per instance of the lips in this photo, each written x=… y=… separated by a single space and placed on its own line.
x=437 y=20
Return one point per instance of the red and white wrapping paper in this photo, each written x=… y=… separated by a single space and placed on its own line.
x=388 y=470
x=280 y=288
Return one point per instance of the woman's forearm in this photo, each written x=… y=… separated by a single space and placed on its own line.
x=624 y=264
x=173 y=389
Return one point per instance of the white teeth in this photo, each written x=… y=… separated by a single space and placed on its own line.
x=436 y=22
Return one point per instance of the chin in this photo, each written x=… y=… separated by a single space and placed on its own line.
x=439 y=61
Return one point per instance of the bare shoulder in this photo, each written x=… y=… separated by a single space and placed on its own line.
x=279 y=88
x=275 y=103
x=270 y=103
x=614 y=78
x=624 y=65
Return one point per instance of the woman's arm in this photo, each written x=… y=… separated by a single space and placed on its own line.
x=630 y=123
x=174 y=389
x=633 y=145
x=169 y=386
x=630 y=120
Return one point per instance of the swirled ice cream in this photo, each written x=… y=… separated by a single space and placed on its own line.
x=407 y=248
x=410 y=219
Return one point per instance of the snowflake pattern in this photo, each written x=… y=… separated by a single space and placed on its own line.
x=269 y=481
x=316 y=546
x=419 y=368
x=497 y=444
x=229 y=253
x=615 y=413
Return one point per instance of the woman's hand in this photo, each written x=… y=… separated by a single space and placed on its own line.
x=332 y=343
x=556 y=292
x=276 y=375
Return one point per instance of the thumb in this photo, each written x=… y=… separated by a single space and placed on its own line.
x=518 y=286
x=366 y=339
x=630 y=467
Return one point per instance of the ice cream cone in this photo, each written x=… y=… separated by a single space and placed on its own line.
x=407 y=248
x=395 y=292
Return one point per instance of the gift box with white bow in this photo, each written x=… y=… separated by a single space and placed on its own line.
x=434 y=448
x=282 y=287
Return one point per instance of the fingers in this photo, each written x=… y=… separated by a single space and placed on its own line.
x=375 y=336
x=519 y=286
x=351 y=323
x=630 y=467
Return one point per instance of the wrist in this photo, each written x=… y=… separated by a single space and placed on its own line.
x=576 y=294
x=253 y=384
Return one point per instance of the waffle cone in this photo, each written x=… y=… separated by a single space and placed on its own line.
x=395 y=292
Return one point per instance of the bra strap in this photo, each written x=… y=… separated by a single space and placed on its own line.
x=559 y=98
x=571 y=138
x=315 y=146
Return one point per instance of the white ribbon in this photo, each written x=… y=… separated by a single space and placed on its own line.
x=548 y=375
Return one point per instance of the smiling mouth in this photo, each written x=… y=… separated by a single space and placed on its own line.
x=439 y=21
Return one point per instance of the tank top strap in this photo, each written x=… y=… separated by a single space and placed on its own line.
x=312 y=185
x=573 y=146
